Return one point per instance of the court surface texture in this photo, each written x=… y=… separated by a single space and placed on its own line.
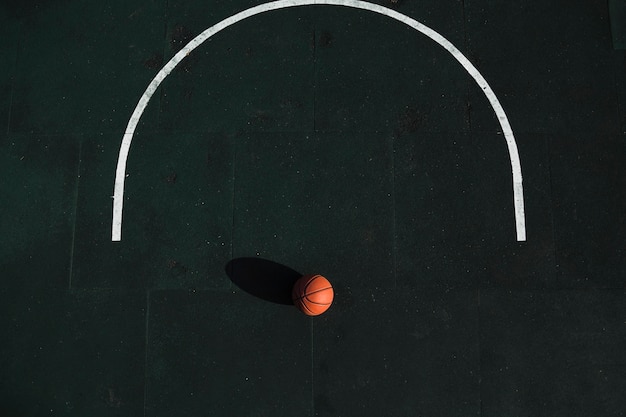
x=455 y=168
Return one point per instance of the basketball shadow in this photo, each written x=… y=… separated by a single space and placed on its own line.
x=264 y=279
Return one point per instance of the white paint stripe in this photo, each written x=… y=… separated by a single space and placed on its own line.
x=518 y=193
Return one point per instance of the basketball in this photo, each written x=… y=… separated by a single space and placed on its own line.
x=312 y=294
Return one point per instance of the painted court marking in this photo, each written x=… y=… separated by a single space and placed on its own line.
x=120 y=175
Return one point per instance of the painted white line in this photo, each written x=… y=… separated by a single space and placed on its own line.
x=120 y=175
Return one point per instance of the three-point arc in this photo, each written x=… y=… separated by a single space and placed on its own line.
x=518 y=193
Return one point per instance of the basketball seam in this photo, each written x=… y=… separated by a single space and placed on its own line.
x=304 y=306
x=309 y=281
x=319 y=304
x=306 y=294
x=311 y=278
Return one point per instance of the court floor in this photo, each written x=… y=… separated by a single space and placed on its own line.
x=380 y=144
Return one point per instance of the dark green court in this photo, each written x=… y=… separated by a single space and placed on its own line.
x=314 y=139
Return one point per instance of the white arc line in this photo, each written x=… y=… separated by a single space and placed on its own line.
x=120 y=175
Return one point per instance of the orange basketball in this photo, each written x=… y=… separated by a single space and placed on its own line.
x=312 y=294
